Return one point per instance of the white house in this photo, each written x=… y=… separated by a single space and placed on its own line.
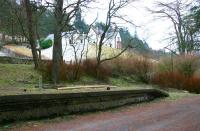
x=112 y=38
x=76 y=43
x=71 y=43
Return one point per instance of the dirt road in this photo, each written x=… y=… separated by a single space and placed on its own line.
x=181 y=115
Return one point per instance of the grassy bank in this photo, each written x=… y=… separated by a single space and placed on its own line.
x=17 y=75
x=23 y=79
x=15 y=78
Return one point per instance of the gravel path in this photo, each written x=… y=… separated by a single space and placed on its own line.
x=181 y=115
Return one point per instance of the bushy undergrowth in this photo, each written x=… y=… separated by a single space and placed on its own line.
x=140 y=67
x=179 y=72
x=178 y=81
x=185 y=64
x=73 y=71
x=67 y=71
x=104 y=71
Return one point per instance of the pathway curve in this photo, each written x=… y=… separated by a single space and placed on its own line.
x=181 y=115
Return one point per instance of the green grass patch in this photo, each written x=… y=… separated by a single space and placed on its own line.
x=124 y=81
x=18 y=75
x=176 y=95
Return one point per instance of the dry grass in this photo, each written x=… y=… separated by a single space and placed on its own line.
x=21 y=50
x=107 y=52
x=181 y=72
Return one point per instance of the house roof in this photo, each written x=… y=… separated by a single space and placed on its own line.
x=112 y=32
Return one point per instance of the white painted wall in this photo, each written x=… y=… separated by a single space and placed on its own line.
x=80 y=43
x=68 y=50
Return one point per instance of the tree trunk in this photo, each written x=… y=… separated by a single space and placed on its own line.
x=100 y=47
x=31 y=33
x=12 y=31
x=57 y=47
x=3 y=37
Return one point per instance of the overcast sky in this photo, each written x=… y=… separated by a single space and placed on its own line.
x=152 y=30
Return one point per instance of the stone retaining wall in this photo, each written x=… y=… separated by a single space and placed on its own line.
x=21 y=107
x=15 y=60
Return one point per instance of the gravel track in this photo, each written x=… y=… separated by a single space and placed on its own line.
x=180 y=115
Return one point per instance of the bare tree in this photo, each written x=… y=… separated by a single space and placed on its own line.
x=113 y=12
x=63 y=18
x=28 y=25
x=31 y=34
x=192 y=28
x=175 y=12
x=57 y=46
x=80 y=49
